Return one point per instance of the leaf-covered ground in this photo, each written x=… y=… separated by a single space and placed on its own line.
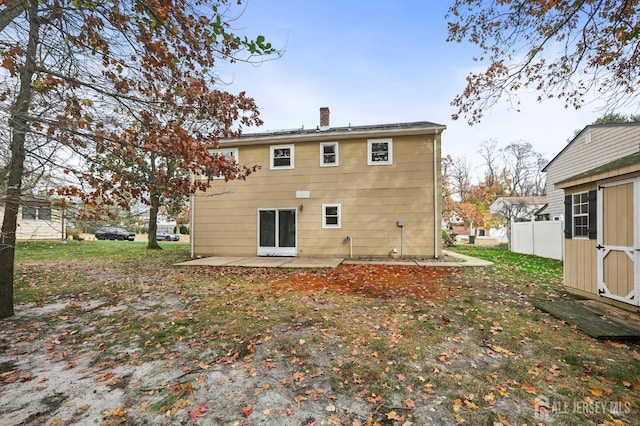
x=110 y=333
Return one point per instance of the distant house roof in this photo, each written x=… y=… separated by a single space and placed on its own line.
x=524 y=200
x=589 y=127
x=416 y=127
x=525 y=206
x=30 y=200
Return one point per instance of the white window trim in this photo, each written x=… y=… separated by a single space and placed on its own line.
x=574 y=215
x=272 y=149
x=370 y=143
x=219 y=151
x=324 y=216
x=322 y=163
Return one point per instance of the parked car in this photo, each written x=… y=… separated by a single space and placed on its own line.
x=112 y=233
x=166 y=236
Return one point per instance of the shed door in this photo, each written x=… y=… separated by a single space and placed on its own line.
x=277 y=232
x=618 y=241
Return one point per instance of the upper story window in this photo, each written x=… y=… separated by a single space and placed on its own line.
x=329 y=154
x=230 y=154
x=331 y=215
x=379 y=152
x=581 y=214
x=281 y=157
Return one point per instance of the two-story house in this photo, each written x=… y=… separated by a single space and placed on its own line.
x=345 y=191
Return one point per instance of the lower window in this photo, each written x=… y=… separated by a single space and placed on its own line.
x=331 y=216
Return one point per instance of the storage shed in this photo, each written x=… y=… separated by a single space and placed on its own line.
x=602 y=231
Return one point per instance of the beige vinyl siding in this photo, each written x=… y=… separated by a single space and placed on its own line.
x=38 y=229
x=607 y=143
x=372 y=199
x=580 y=264
x=580 y=267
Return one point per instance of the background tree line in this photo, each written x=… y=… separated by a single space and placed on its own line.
x=514 y=170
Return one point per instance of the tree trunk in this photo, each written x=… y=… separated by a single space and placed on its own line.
x=12 y=9
x=19 y=129
x=153 y=222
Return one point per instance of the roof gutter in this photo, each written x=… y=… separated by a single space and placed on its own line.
x=321 y=135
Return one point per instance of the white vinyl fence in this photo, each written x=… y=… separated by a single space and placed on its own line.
x=542 y=238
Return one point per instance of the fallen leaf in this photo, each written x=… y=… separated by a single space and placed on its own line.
x=595 y=391
x=529 y=388
x=489 y=398
x=605 y=380
x=198 y=412
x=470 y=404
x=246 y=411
x=392 y=415
x=555 y=371
x=459 y=419
x=502 y=390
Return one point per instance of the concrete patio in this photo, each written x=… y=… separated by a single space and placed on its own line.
x=451 y=259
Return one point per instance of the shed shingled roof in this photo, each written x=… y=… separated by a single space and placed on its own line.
x=616 y=164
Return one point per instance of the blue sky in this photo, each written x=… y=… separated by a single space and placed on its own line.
x=375 y=63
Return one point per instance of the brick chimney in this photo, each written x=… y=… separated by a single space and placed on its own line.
x=324 y=117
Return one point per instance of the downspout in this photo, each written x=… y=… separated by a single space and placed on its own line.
x=192 y=225
x=436 y=191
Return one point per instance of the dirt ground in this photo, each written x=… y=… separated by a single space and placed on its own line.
x=52 y=368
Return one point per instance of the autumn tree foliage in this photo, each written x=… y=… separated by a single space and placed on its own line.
x=462 y=200
x=128 y=88
x=514 y=170
x=562 y=49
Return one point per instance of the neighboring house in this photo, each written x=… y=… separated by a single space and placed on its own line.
x=602 y=227
x=168 y=225
x=515 y=209
x=518 y=209
x=38 y=219
x=595 y=145
x=345 y=191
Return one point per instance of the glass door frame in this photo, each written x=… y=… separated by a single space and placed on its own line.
x=277 y=249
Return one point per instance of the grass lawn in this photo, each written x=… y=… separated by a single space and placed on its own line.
x=353 y=346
